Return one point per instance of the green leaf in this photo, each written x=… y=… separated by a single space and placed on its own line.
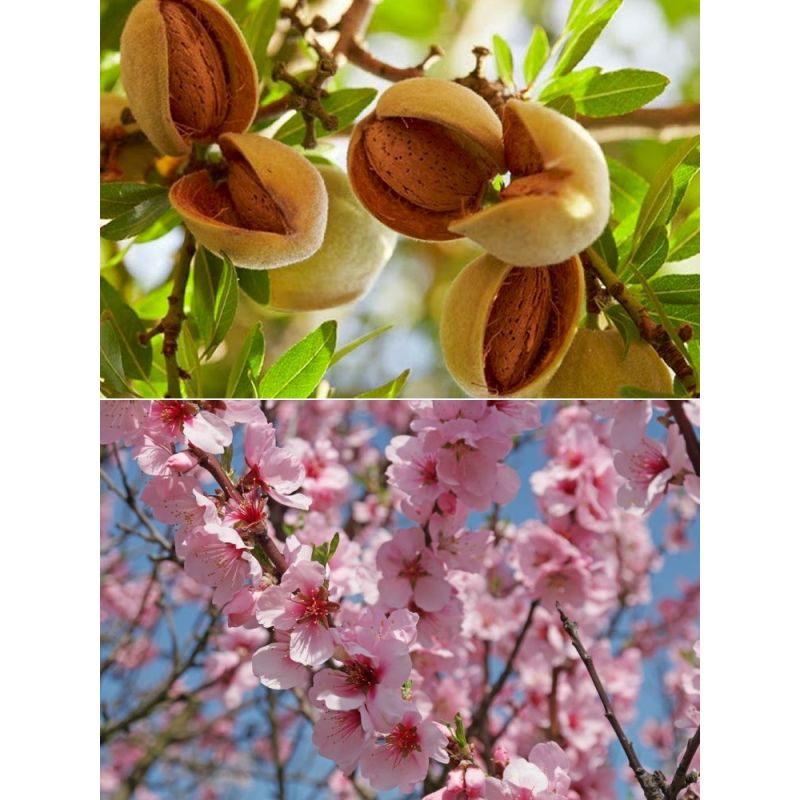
x=661 y=189
x=390 y=389
x=652 y=252
x=300 y=369
x=570 y=84
x=206 y=273
x=564 y=105
x=137 y=219
x=333 y=546
x=577 y=13
x=503 y=60
x=536 y=55
x=247 y=367
x=628 y=190
x=606 y=248
x=117 y=197
x=579 y=44
x=346 y=104
x=112 y=372
x=225 y=303
x=348 y=348
x=681 y=179
x=411 y=19
x=137 y=358
x=619 y=92
x=685 y=241
x=188 y=358
x=255 y=283
x=677 y=289
x=161 y=227
x=619 y=318
x=258 y=27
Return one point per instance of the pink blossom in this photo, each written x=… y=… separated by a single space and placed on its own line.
x=274 y=468
x=300 y=605
x=411 y=572
x=342 y=736
x=177 y=420
x=402 y=756
x=273 y=666
x=218 y=557
x=121 y=420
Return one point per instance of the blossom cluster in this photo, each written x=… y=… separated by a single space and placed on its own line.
x=394 y=622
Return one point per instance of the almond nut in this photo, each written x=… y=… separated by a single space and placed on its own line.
x=188 y=72
x=505 y=329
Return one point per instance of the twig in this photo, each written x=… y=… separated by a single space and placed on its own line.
x=171 y=324
x=653 y=784
x=687 y=431
x=478 y=723
x=654 y=334
x=682 y=777
x=665 y=124
x=358 y=55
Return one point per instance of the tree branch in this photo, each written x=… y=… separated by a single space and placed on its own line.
x=682 y=776
x=171 y=324
x=654 y=334
x=652 y=786
x=665 y=124
x=477 y=726
x=687 y=431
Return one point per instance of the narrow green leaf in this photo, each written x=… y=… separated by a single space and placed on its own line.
x=137 y=219
x=564 y=105
x=567 y=84
x=619 y=92
x=247 y=367
x=652 y=252
x=188 y=358
x=661 y=189
x=225 y=303
x=536 y=55
x=348 y=348
x=619 y=318
x=137 y=358
x=333 y=546
x=117 y=197
x=298 y=371
x=628 y=190
x=685 y=241
x=390 y=389
x=577 y=13
x=681 y=179
x=112 y=372
x=579 y=44
x=607 y=248
x=255 y=283
x=677 y=289
x=206 y=273
x=503 y=60
x=346 y=104
x=161 y=227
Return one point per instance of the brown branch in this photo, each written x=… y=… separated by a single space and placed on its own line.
x=210 y=463
x=651 y=332
x=653 y=784
x=683 y=777
x=358 y=55
x=674 y=122
x=687 y=431
x=478 y=724
x=172 y=322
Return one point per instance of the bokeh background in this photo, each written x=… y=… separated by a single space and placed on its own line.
x=661 y=35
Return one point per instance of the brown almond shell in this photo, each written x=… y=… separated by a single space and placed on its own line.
x=145 y=72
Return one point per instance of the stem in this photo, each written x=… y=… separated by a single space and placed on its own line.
x=479 y=720
x=172 y=322
x=665 y=124
x=654 y=334
x=681 y=779
x=687 y=431
x=651 y=785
